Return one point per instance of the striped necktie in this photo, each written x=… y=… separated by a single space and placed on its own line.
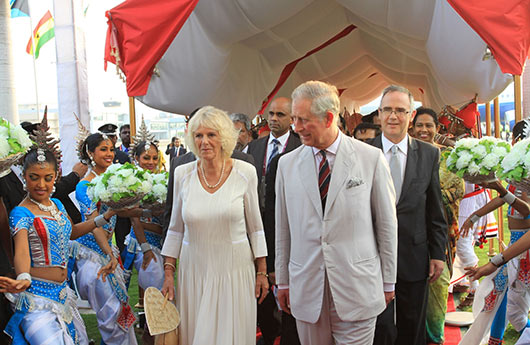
x=274 y=152
x=324 y=176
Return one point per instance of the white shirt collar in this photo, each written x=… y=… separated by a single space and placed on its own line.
x=333 y=148
x=282 y=139
x=403 y=145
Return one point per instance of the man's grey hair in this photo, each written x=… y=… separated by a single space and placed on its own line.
x=239 y=117
x=397 y=88
x=324 y=97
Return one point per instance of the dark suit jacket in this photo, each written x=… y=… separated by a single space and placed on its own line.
x=12 y=191
x=171 y=151
x=121 y=157
x=422 y=227
x=180 y=160
x=270 y=201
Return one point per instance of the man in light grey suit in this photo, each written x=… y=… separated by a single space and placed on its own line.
x=336 y=226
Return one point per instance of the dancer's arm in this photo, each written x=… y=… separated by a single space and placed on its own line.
x=481 y=212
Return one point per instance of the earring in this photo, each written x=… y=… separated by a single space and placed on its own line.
x=24 y=187
x=53 y=189
x=93 y=163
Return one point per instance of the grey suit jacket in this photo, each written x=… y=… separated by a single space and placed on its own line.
x=184 y=159
x=354 y=243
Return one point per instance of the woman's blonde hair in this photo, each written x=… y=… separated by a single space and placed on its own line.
x=218 y=120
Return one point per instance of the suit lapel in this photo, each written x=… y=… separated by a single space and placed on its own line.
x=339 y=173
x=260 y=154
x=410 y=167
x=308 y=175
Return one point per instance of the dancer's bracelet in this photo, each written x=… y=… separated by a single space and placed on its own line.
x=24 y=276
x=509 y=198
x=498 y=260
x=170 y=265
x=100 y=220
x=145 y=247
x=474 y=218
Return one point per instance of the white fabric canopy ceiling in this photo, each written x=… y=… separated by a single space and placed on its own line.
x=230 y=53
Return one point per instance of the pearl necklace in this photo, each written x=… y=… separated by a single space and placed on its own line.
x=220 y=177
x=54 y=211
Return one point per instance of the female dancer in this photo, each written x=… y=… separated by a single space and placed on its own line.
x=109 y=298
x=504 y=293
x=45 y=307
x=144 y=243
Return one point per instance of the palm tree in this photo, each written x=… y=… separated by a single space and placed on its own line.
x=8 y=102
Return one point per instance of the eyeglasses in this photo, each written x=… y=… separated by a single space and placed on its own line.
x=387 y=111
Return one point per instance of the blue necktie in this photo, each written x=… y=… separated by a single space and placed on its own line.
x=274 y=152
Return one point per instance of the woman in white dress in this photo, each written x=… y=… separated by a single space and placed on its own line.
x=217 y=234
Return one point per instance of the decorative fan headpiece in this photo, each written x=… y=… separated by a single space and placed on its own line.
x=82 y=134
x=44 y=141
x=143 y=135
x=525 y=134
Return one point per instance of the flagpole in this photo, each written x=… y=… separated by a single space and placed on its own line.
x=34 y=64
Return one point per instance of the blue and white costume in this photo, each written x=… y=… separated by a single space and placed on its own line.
x=108 y=299
x=153 y=275
x=46 y=312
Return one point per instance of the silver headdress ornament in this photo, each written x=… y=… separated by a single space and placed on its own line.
x=104 y=135
x=44 y=141
x=526 y=130
x=143 y=135
x=82 y=134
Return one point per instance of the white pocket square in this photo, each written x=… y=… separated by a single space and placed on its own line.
x=354 y=182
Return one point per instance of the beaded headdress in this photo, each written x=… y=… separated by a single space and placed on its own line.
x=82 y=134
x=143 y=135
x=526 y=130
x=43 y=141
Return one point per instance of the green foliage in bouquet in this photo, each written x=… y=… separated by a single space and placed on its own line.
x=477 y=156
x=120 y=182
x=13 y=139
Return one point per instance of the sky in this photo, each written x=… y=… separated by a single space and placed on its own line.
x=101 y=85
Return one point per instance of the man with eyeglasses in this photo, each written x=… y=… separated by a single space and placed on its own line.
x=421 y=224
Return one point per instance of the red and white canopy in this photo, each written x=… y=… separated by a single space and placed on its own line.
x=231 y=53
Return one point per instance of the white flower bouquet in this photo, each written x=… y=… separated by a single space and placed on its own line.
x=477 y=160
x=14 y=143
x=155 y=200
x=515 y=167
x=120 y=186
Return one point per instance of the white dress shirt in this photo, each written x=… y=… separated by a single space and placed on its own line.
x=331 y=153
x=270 y=145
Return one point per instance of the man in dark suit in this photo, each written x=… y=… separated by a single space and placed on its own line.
x=265 y=150
x=422 y=227
x=175 y=149
x=6 y=261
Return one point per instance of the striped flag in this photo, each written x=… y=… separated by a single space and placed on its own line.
x=44 y=31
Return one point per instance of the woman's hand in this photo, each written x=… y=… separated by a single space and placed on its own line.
x=495 y=185
x=134 y=212
x=148 y=256
x=468 y=224
x=108 y=268
x=262 y=287
x=474 y=273
x=168 y=288
x=12 y=285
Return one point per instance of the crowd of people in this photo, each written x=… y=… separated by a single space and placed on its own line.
x=296 y=227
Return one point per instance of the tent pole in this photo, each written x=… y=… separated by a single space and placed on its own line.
x=132 y=116
x=488 y=118
x=517 y=99
x=497 y=119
